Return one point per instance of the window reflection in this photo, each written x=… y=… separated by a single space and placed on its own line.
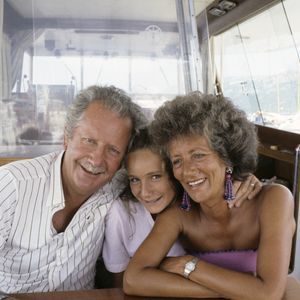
x=258 y=66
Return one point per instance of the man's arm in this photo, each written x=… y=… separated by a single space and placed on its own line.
x=7 y=204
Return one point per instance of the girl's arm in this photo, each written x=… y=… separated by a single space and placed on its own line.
x=143 y=276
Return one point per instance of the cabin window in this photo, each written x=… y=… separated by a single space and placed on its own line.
x=52 y=49
x=257 y=64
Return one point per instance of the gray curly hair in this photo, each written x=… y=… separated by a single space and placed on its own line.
x=111 y=98
x=225 y=127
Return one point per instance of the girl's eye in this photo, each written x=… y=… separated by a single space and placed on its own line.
x=156 y=177
x=133 y=180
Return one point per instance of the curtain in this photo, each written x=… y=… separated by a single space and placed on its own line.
x=4 y=59
x=5 y=68
x=20 y=42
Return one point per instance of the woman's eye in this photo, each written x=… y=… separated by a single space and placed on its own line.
x=176 y=163
x=197 y=155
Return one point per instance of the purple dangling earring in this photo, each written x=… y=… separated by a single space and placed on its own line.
x=228 y=195
x=185 y=203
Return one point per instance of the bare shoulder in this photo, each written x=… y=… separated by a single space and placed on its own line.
x=278 y=193
x=172 y=214
x=276 y=197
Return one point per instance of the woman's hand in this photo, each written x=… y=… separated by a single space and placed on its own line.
x=246 y=189
x=175 y=264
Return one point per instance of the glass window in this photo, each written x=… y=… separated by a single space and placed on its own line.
x=52 y=49
x=257 y=63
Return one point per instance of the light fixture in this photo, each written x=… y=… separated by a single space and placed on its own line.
x=226 y=5
x=215 y=11
x=222 y=8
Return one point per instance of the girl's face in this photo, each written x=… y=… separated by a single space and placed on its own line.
x=198 y=168
x=149 y=181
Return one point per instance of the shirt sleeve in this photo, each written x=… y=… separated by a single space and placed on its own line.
x=8 y=199
x=114 y=253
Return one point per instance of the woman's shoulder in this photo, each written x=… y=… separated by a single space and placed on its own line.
x=276 y=196
x=276 y=192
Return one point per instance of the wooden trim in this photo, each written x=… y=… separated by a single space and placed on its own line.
x=244 y=10
x=284 y=140
x=6 y=160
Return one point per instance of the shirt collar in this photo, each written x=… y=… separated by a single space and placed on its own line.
x=56 y=194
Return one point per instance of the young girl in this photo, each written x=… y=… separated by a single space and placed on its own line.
x=151 y=189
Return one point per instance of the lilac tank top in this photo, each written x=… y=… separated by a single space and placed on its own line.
x=237 y=260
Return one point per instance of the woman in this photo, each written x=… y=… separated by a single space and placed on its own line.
x=209 y=141
x=151 y=189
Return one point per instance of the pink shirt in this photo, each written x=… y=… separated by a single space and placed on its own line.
x=124 y=232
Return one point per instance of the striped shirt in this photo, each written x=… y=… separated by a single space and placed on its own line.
x=33 y=256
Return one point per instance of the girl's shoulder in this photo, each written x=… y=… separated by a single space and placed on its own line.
x=125 y=207
x=177 y=214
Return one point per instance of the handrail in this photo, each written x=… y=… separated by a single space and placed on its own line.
x=296 y=168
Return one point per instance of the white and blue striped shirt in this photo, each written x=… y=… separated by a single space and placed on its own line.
x=33 y=256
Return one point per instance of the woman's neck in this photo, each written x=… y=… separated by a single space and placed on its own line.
x=217 y=212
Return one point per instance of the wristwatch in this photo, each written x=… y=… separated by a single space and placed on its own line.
x=189 y=267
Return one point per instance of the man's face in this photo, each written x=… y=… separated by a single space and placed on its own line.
x=95 y=151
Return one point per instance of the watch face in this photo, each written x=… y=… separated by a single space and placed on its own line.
x=190 y=266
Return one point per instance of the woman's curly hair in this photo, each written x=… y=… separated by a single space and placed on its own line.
x=225 y=127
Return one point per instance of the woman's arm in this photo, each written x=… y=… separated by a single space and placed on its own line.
x=143 y=276
x=277 y=226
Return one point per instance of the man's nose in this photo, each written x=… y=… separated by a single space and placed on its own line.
x=98 y=155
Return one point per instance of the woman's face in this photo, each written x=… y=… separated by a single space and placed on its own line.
x=149 y=181
x=199 y=169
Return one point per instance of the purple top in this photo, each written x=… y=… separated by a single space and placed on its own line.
x=237 y=260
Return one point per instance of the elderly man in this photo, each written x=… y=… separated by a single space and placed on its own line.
x=52 y=208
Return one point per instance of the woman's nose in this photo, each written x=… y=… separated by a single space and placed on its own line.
x=188 y=167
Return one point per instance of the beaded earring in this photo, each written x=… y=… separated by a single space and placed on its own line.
x=185 y=203
x=228 y=195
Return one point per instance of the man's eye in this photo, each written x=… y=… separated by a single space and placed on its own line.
x=114 y=151
x=88 y=141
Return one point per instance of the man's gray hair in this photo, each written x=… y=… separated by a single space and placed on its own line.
x=111 y=98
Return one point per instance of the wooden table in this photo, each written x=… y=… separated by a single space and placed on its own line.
x=292 y=293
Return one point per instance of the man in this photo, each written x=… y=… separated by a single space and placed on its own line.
x=52 y=208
